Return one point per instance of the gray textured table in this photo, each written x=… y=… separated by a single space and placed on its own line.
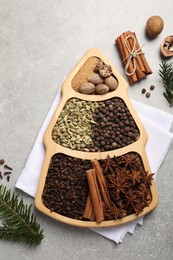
x=40 y=42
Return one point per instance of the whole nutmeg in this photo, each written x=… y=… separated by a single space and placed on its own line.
x=154 y=26
x=102 y=89
x=87 y=88
x=96 y=79
x=111 y=82
x=99 y=64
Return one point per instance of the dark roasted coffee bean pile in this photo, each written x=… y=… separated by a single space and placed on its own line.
x=114 y=128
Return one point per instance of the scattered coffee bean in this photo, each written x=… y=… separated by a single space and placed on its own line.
x=143 y=90
x=148 y=94
x=152 y=87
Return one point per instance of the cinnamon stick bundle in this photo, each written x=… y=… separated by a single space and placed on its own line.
x=136 y=65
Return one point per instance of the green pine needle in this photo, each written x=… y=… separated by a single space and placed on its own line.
x=18 y=223
x=166 y=73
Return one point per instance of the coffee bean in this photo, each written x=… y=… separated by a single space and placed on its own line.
x=143 y=90
x=152 y=87
x=148 y=94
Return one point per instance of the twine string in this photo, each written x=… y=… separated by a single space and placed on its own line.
x=132 y=55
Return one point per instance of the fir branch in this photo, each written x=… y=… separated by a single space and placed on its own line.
x=166 y=73
x=18 y=223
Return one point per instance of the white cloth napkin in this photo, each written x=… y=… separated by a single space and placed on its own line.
x=157 y=124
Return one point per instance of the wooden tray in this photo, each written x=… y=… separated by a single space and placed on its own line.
x=53 y=148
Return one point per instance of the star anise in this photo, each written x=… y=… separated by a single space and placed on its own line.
x=138 y=207
x=122 y=212
x=144 y=193
x=109 y=164
x=131 y=197
x=113 y=212
x=141 y=190
x=147 y=199
x=147 y=178
x=135 y=176
x=129 y=160
x=119 y=184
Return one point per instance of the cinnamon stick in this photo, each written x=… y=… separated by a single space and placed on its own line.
x=139 y=65
x=95 y=195
x=138 y=58
x=119 y=45
x=126 y=54
x=145 y=63
x=88 y=211
x=102 y=182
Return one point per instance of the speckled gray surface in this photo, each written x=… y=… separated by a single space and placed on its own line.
x=40 y=42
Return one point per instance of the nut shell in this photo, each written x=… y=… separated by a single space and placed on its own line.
x=154 y=26
x=111 y=82
x=105 y=71
x=87 y=88
x=102 y=89
x=167 y=46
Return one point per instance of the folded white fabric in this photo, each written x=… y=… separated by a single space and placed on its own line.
x=157 y=124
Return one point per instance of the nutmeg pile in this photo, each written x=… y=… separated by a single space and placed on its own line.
x=100 y=82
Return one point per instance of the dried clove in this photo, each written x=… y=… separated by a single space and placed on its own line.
x=66 y=186
x=6 y=170
x=7 y=173
x=7 y=167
